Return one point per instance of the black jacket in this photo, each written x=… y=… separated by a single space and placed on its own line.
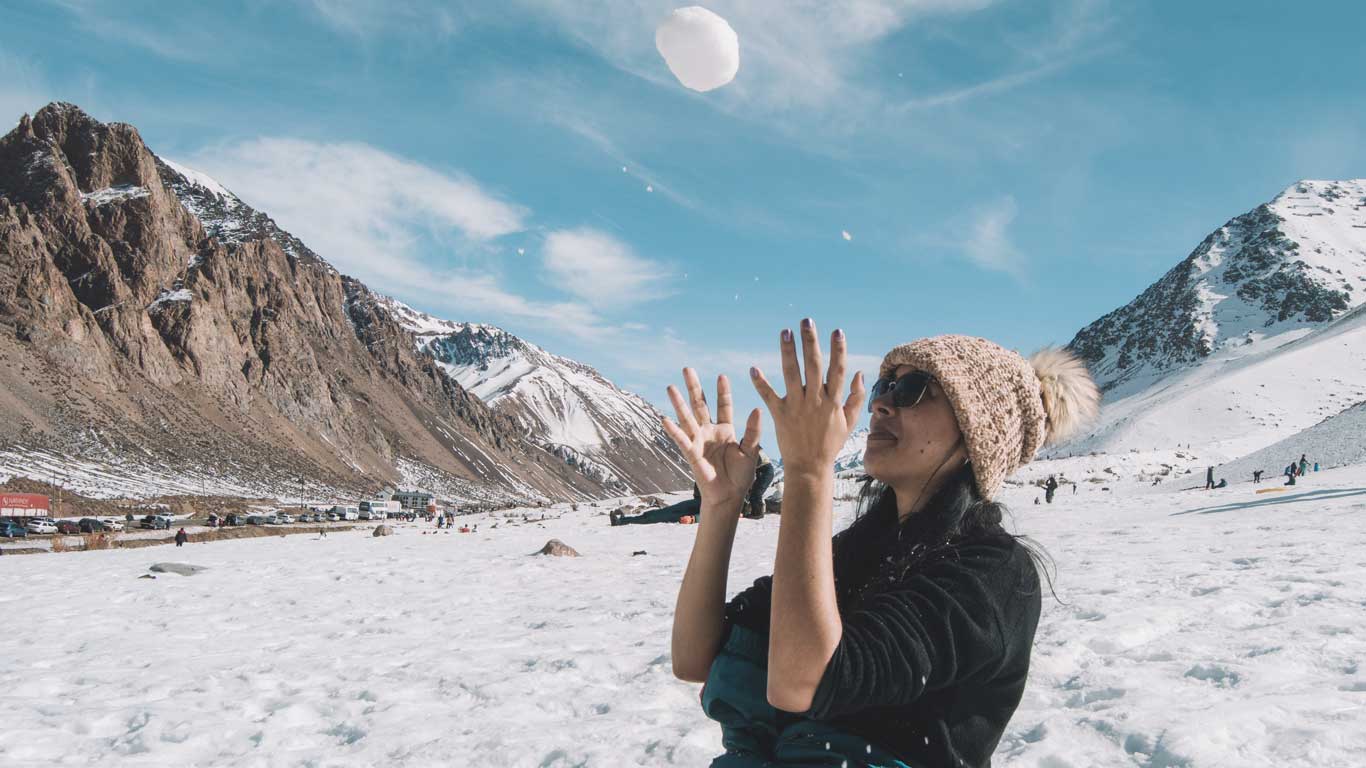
x=933 y=667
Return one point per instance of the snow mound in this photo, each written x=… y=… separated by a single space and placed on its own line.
x=700 y=48
x=1334 y=442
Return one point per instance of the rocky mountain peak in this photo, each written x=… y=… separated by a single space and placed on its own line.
x=1265 y=277
x=151 y=351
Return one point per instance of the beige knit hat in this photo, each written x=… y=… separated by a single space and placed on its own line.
x=1007 y=407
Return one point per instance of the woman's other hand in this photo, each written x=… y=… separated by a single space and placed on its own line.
x=722 y=467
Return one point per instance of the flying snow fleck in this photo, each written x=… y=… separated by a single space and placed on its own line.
x=623 y=169
x=521 y=251
x=701 y=48
x=846 y=234
x=649 y=188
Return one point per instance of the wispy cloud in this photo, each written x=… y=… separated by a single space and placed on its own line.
x=600 y=269
x=377 y=216
x=801 y=53
x=364 y=18
x=988 y=244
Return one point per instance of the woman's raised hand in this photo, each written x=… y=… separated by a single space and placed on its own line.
x=722 y=467
x=811 y=421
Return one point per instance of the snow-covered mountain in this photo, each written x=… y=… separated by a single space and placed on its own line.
x=563 y=405
x=164 y=335
x=1263 y=279
x=1256 y=335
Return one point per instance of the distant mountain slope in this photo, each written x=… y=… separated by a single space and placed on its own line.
x=564 y=406
x=148 y=350
x=1258 y=334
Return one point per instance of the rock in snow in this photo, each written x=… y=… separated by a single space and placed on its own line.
x=383 y=530
x=184 y=569
x=557 y=548
x=700 y=48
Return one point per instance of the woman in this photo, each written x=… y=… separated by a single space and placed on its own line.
x=906 y=642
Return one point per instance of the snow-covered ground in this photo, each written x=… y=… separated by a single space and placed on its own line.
x=1221 y=628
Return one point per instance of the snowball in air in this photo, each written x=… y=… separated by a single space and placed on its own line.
x=521 y=251
x=846 y=234
x=700 y=48
x=649 y=188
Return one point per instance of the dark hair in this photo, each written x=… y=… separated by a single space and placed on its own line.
x=867 y=555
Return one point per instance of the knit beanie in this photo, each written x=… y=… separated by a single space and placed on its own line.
x=1007 y=407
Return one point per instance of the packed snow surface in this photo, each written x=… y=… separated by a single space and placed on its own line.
x=1220 y=628
x=700 y=48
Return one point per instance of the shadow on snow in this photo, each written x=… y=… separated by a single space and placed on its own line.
x=1320 y=495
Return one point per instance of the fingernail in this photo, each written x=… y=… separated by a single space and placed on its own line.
x=839 y=334
x=806 y=323
x=753 y=372
x=787 y=335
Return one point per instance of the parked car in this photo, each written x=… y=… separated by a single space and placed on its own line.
x=112 y=523
x=91 y=525
x=284 y=518
x=156 y=522
x=333 y=517
x=41 y=525
x=68 y=526
x=234 y=519
x=12 y=530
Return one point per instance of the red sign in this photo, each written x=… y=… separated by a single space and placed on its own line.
x=23 y=505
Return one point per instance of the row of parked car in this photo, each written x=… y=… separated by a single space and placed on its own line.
x=21 y=527
x=333 y=515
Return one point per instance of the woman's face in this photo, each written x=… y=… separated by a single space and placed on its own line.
x=907 y=445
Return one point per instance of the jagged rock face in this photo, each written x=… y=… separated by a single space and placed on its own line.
x=567 y=408
x=1293 y=264
x=129 y=330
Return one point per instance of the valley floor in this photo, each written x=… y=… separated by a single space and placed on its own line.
x=1221 y=628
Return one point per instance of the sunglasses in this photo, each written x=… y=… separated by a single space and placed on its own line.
x=906 y=391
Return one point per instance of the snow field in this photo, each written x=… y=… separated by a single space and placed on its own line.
x=1220 y=628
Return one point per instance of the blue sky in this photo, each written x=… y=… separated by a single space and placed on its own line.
x=1005 y=168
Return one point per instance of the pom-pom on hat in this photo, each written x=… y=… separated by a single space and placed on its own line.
x=1007 y=407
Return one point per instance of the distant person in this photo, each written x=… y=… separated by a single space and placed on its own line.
x=1316 y=466
x=1256 y=475
x=1074 y=489
x=1050 y=488
x=1304 y=463
x=1209 y=478
x=181 y=537
x=1223 y=483
x=1290 y=474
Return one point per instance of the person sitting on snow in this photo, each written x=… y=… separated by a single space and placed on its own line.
x=752 y=507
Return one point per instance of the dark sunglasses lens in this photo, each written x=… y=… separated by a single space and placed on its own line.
x=906 y=391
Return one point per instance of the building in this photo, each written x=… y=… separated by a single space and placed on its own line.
x=24 y=505
x=414 y=501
